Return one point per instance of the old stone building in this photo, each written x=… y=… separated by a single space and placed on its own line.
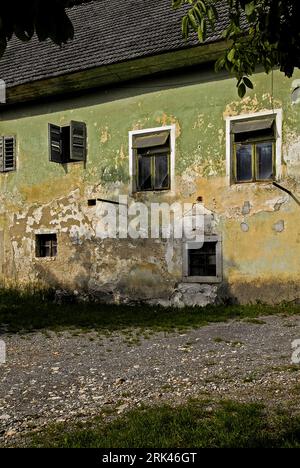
x=130 y=109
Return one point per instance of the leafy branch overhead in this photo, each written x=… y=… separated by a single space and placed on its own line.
x=263 y=33
x=45 y=18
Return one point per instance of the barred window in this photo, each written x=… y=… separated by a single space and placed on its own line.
x=46 y=245
x=202 y=263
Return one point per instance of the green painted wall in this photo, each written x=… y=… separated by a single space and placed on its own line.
x=197 y=103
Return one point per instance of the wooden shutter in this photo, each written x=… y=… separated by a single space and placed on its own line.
x=9 y=154
x=78 y=146
x=150 y=140
x=55 y=144
x=1 y=154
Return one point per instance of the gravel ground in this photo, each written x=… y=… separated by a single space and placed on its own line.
x=52 y=377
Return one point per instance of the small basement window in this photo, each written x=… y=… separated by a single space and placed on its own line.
x=7 y=154
x=68 y=144
x=254 y=150
x=203 y=263
x=46 y=245
x=152 y=153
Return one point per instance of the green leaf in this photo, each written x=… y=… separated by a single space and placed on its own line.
x=202 y=5
x=192 y=20
x=200 y=34
x=185 y=27
x=248 y=82
x=231 y=55
x=249 y=8
x=242 y=90
x=176 y=4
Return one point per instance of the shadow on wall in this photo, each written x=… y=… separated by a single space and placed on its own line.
x=118 y=92
x=259 y=292
x=47 y=276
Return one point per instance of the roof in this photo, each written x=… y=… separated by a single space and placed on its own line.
x=106 y=32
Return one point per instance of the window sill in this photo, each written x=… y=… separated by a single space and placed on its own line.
x=260 y=182
x=45 y=259
x=152 y=193
x=203 y=279
x=136 y=192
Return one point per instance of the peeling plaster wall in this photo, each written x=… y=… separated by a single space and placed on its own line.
x=259 y=223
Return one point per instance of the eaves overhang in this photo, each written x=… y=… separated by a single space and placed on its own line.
x=103 y=76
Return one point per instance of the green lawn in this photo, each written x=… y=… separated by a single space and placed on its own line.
x=25 y=312
x=197 y=424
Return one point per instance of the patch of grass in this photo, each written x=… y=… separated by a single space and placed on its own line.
x=194 y=425
x=25 y=312
x=250 y=378
x=288 y=368
x=237 y=344
x=218 y=339
x=234 y=344
x=255 y=321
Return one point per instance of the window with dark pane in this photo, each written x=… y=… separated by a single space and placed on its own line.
x=162 y=176
x=153 y=161
x=46 y=245
x=244 y=163
x=264 y=161
x=254 y=149
x=144 y=172
x=203 y=262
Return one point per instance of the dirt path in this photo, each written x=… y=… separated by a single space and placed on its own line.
x=56 y=377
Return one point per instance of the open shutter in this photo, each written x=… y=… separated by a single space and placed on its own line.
x=55 y=144
x=1 y=154
x=9 y=154
x=151 y=140
x=78 y=141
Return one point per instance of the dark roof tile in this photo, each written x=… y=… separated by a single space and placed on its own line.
x=106 y=32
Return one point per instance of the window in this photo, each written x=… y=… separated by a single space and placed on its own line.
x=46 y=245
x=7 y=154
x=203 y=263
x=67 y=144
x=254 y=150
x=152 y=153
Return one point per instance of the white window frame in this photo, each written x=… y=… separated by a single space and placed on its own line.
x=132 y=134
x=278 y=114
x=219 y=257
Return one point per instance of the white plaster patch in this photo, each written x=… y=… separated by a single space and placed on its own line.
x=169 y=257
x=273 y=204
x=79 y=234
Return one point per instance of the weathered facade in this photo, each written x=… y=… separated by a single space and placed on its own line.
x=255 y=222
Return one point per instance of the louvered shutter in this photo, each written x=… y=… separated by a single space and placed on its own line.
x=55 y=144
x=1 y=154
x=78 y=141
x=9 y=154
